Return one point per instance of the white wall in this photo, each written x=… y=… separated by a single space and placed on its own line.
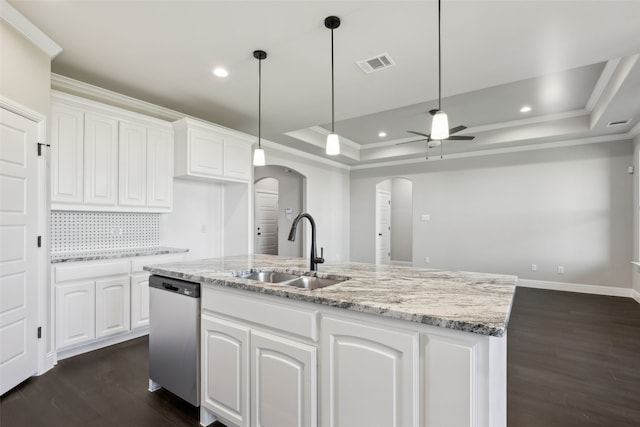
x=196 y=220
x=501 y=213
x=326 y=199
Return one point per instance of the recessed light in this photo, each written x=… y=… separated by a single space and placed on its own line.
x=382 y=134
x=525 y=109
x=220 y=72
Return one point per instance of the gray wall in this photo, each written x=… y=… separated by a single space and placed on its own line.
x=502 y=213
x=290 y=187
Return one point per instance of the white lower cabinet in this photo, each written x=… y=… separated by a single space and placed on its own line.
x=283 y=382
x=225 y=369
x=270 y=362
x=100 y=303
x=139 y=300
x=112 y=306
x=75 y=314
x=369 y=374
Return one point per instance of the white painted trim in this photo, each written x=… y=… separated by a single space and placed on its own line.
x=577 y=287
x=402 y=263
x=602 y=83
x=489 y=127
x=635 y=295
x=95 y=345
x=21 y=110
x=66 y=85
x=504 y=150
x=11 y=16
x=635 y=131
x=637 y=263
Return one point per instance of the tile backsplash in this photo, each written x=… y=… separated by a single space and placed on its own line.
x=96 y=231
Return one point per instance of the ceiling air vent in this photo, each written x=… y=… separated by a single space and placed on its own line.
x=376 y=63
x=618 y=123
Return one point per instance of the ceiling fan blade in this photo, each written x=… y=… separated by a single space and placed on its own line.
x=419 y=133
x=457 y=129
x=461 y=137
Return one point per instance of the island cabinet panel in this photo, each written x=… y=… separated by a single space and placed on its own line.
x=283 y=382
x=369 y=374
x=451 y=379
x=225 y=369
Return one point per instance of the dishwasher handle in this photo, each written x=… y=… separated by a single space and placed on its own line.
x=177 y=286
x=170 y=287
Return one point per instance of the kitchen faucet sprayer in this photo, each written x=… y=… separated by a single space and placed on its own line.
x=314 y=261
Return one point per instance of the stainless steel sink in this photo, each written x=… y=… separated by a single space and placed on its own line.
x=269 y=276
x=288 y=279
x=310 y=282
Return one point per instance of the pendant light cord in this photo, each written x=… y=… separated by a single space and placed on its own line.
x=439 y=63
x=259 y=100
x=332 y=87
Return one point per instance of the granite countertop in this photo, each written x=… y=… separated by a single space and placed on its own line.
x=471 y=302
x=57 y=257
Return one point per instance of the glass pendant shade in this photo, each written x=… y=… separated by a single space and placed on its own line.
x=333 y=144
x=440 y=126
x=258 y=157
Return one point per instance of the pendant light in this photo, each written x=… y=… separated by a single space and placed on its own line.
x=258 y=154
x=333 y=142
x=440 y=122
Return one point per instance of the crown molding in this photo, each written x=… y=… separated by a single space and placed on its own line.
x=78 y=88
x=11 y=16
x=505 y=150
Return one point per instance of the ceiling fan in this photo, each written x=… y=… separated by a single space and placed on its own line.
x=431 y=143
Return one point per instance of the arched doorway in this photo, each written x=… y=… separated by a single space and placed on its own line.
x=278 y=198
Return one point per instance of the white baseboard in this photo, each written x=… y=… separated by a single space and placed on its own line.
x=581 y=288
x=402 y=263
x=95 y=345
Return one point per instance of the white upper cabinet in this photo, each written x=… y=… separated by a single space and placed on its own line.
x=160 y=168
x=100 y=160
x=108 y=159
x=211 y=152
x=133 y=164
x=67 y=139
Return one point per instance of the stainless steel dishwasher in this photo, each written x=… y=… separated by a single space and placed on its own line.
x=174 y=337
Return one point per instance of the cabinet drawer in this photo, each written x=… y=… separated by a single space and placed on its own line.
x=88 y=270
x=138 y=263
x=286 y=318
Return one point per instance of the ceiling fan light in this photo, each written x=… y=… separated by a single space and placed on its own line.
x=333 y=144
x=440 y=126
x=258 y=157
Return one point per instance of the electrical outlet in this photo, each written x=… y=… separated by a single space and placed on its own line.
x=560 y=269
x=534 y=267
x=425 y=217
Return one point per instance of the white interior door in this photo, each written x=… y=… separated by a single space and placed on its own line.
x=266 y=222
x=383 y=227
x=18 y=249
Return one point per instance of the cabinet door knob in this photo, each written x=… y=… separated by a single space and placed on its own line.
x=259 y=234
x=379 y=234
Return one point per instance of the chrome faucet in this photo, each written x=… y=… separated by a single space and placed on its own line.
x=292 y=237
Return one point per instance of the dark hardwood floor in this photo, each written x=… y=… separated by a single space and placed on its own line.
x=573 y=360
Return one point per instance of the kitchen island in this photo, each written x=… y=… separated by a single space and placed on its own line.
x=384 y=346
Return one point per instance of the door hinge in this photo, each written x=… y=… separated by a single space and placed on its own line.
x=39 y=241
x=39 y=332
x=40 y=144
